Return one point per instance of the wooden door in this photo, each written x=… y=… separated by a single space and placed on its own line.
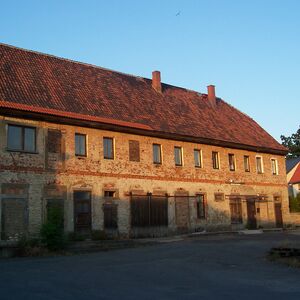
x=82 y=212
x=251 y=212
x=278 y=215
x=182 y=211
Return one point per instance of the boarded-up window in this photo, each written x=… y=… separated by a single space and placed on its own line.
x=219 y=196
x=110 y=211
x=236 y=211
x=14 y=218
x=134 y=151
x=54 y=141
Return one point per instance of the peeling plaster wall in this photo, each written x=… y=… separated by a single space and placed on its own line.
x=96 y=174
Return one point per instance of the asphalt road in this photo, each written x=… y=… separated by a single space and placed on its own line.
x=217 y=267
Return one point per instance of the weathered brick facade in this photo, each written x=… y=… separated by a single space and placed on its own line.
x=47 y=103
x=49 y=175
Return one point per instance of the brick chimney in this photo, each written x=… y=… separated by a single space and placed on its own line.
x=211 y=94
x=156 y=83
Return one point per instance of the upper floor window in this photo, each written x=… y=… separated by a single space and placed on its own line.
x=157 y=153
x=259 y=165
x=231 y=160
x=108 y=148
x=178 y=156
x=80 y=144
x=215 y=160
x=246 y=163
x=274 y=166
x=197 y=158
x=21 y=138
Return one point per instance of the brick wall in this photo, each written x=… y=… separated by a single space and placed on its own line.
x=58 y=165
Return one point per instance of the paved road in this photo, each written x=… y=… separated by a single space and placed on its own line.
x=232 y=267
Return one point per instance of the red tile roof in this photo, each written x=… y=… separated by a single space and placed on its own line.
x=296 y=177
x=37 y=82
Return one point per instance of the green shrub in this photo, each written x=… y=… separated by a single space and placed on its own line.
x=52 y=232
x=295 y=203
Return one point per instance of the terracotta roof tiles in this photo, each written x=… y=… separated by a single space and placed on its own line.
x=53 y=85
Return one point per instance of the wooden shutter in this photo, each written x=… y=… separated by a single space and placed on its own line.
x=54 y=141
x=134 y=151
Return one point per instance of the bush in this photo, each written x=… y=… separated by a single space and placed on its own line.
x=52 y=232
x=295 y=203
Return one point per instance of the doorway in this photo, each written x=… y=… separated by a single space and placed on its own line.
x=278 y=215
x=251 y=212
x=82 y=212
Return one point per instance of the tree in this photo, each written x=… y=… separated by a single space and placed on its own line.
x=292 y=143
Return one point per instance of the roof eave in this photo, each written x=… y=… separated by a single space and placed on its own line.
x=25 y=111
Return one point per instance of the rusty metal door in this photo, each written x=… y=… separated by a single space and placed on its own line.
x=182 y=211
x=82 y=212
x=251 y=212
x=278 y=215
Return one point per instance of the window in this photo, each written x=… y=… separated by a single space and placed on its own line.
x=156 y=153
x=236 y=211
x=246 y=163
x=197 y=158
x=219 y=196
x=109 y=194
x=200 y=202
x=54 y=141
x=178 y=156
x=231 y=161
x=274 y=166
x=215 y=160
x=80 y=144
x=108 y=148
x=259 y=166
x=134 y=151
x=21 y=138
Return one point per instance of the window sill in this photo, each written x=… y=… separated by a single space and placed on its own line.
x=21 y=151
x=80 y=156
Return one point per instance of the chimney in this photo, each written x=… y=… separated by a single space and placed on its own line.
x=211 y=95
x=156 y=84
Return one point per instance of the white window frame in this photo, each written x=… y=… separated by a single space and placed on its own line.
x=276 y=166
x=218 y=160
x=200 y=158
x=262 y=164
x=181 y=156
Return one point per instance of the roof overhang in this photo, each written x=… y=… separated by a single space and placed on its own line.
x=18 y=110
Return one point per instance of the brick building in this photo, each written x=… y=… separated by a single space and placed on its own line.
x=128 y=155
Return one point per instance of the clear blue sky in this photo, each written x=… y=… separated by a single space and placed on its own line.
x=249 y=49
